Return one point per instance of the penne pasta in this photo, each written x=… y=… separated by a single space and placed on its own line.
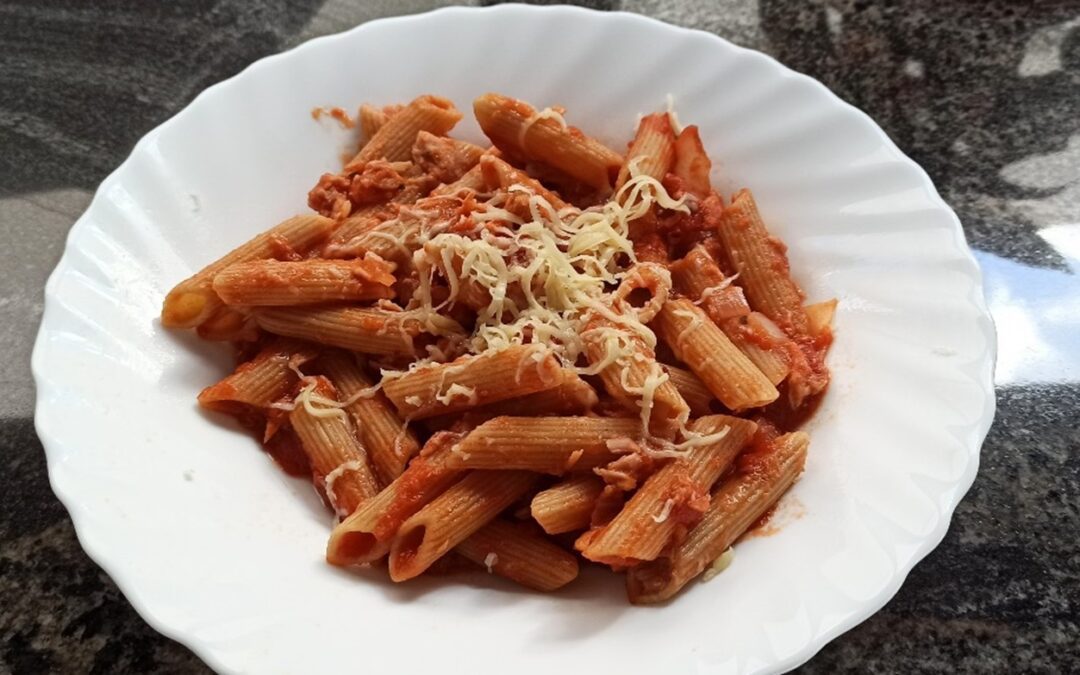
x=700 y=344
x=819 y=317
x=473 y=381
x=568 y=188
x=389 y=441
x=697 y=276
x=392 y=239
x=368 y=331
x=632 y=376
x=371 y=119
x=193 y=300
x=553 y=445
x=692 y=389
x=395 y=239
x=452 y=517
x=670 y=499
x=518 y=129
x=738 y=503
x=395 y=138
x=761 y=262
x=520 y=304
x=652 y=151
x=228 y=324
x=359 y=221
x=256 y=384
x=772 y=358
x=496 y=173
x=306 y=282
x=335 y=454
x=444 y=160
x=572 y=396
x=692 y=164
x=377 y=190
x=472 y=180
x=365 y=535
x=512 y=551
x=568 y=505
x=370 y=185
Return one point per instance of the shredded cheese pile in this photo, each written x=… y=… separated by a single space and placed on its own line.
x=543 y=278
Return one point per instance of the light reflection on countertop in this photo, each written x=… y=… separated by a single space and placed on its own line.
x=1037 y=314
x=1037 y=309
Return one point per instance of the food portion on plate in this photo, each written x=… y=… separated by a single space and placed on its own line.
x=509 y=357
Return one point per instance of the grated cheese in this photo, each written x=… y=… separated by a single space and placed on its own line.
x=618 y=345
x=317 y=405
x=545 y=279
x=545 y=114
x=665 y=511
x=398 y=240
x=720 y=564
x=457 y=390
x=693 y=439
x=320 y=406
x=696 y=321
x=456 y=450
x=333 y=476
x=656 y=377
x=713 y=290
x=622 y=445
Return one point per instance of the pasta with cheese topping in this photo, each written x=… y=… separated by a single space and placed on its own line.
x=472 y=347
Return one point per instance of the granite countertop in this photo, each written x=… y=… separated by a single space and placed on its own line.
x=984 y=95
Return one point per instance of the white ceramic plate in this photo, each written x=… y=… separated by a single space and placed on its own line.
x=218 y=549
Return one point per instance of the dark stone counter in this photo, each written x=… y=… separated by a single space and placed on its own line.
x=984 y=95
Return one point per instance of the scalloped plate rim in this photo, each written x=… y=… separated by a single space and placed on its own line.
x=129 y=587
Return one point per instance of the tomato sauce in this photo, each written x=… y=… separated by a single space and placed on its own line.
x=338 y=114
x=783 y=416
x=285 y=449
x=413 y=487
x=759 y=455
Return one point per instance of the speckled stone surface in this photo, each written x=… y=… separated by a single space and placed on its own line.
x=984 y=95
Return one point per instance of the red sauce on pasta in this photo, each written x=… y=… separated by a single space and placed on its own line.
x=762 y=526
x=336 y=113
x=783 y=416
x=759 y=452
x=285 y=449
x=760 y=456
x=379 y=184
x=410 y=492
